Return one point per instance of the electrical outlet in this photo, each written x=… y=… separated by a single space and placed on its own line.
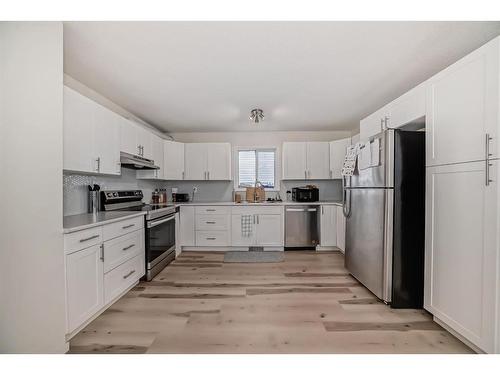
x=195 y=189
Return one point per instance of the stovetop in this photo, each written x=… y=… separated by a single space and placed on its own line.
x=131 y=200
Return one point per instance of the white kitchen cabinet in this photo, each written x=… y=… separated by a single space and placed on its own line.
x=207 y=161
x=269 y=230
x=328 y=225
x=318 y=160
x=408 y=107
x=84 y=285
x=173 y=165
x=374 y=123
x=78 y=132
x=341 y=226
x=461 y=250
x=306 y=160
x=338 y=151
x=91 y=136
x=107 y=140
x=135 y=139
x=158 y=157
x=267 y=226
x=294 y=160
x=187 y=225
x=462 y=107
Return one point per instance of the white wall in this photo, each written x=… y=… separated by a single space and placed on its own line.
x=32 y=310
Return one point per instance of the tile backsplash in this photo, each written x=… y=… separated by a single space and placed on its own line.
x=75 y=190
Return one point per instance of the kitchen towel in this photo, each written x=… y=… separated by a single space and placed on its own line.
x=246 y=225
x=365 y=156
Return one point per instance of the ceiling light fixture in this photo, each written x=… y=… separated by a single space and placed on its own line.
x=256 y=115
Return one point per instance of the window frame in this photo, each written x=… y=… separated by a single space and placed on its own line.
x=256 y=149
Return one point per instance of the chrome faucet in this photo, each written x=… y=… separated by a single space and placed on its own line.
x=257 y=182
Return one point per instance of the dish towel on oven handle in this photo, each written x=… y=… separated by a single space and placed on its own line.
x=246 y=225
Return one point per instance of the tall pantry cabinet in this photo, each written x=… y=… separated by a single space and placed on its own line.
x=462 y=215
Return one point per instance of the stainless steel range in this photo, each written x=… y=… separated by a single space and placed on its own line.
x=159 y=226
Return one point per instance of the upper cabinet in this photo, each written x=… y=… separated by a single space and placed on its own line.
x=158 y=157
x=173 y=160
x=374 y=123
x=306 y=160
x=462 y=109
x=408 y=107
x=136 y=140
x=91 y=136
x=207 y=161
x=338 y=150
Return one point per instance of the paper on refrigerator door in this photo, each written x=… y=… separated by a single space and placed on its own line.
x=365 y=156
x=350 y=160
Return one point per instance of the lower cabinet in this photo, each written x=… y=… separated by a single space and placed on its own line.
x=257 y=226
x=98 y=274
x=461 y=251
x=332 y=227
x=84 y=285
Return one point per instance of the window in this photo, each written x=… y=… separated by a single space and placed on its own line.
x=256 y=165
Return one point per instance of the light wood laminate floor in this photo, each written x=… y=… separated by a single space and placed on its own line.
x=306 y=304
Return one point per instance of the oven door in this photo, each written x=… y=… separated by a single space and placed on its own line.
x=160 y=239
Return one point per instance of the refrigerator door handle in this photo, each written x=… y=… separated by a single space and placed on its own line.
x=346 y=207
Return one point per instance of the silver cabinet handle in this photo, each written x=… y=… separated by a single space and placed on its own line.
x=128 y=274
x=119 y=167
x=128 y=226
x=183 y=175
x=128 y=247
x=89 y=238
x=257 y=219
x=254 y=219
x=305 y=175
x=102 y=252
x=487 y=155
x=208 y=175
x=322 y=210
x=211 y=238
x=210 y=210
x=138 y=149
x=210 y=222
x=98 y=164
x=331 y=173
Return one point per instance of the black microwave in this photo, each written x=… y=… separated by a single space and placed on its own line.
x=305 y=194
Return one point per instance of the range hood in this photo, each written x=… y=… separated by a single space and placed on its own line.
x=136 y=162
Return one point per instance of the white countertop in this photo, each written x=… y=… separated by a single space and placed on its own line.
x=75 y=223
x=285 y=203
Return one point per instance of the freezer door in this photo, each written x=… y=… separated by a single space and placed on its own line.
x=368 y=251
x=381 y=175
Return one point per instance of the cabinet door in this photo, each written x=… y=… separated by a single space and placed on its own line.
x=237 y=237
x=84 y=285
x=173 y=167
x=128 y=137
x=408 y=107
x=461 y=249
x=145 y=139
x=318 y=160
x=462 y=107
x=269 y=230
x=187 y=222
x=373 y=124
x=157 y=156
x=294 y=160
x=338 y=151
x=107 y=140
x=195 y=161
x=218 y=161
x=340 y=228
x=78 y=133
x=328 y=225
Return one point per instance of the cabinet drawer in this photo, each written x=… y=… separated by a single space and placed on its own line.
x=82 y=239
x=211 y=222
x=212 y=210
x=122 y=227
x=123 y=248
x=212 y=238
x=122 y=277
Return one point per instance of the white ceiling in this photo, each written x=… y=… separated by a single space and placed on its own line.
x=207 y=76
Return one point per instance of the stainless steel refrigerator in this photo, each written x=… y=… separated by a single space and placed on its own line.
x=384 y=206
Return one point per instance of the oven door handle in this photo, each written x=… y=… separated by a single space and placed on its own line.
x=155 y=223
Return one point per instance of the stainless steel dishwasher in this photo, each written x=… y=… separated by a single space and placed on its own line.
x=301 y=226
